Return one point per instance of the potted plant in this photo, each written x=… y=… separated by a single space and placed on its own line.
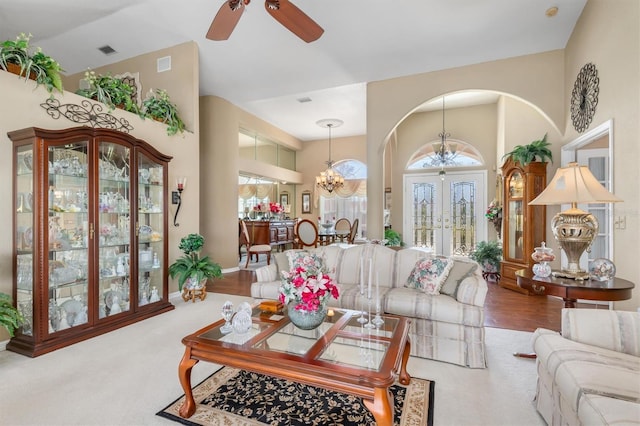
x=488 y=254
x=111 y=91
x=10 y=317
x=158 y=106
x=392 y=238
x=191 y=268
x=535 y=151
x=16 y=57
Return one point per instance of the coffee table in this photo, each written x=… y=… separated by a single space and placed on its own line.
x=340 y=355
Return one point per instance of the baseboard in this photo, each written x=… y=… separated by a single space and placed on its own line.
x=3 y=345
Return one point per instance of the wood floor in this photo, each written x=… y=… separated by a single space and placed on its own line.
x=503 y=308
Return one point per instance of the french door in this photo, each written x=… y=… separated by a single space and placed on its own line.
x=447 y=214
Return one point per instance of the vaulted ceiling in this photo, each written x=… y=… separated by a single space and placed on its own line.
x=265 y=69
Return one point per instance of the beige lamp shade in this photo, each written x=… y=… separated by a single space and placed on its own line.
x=574 y=184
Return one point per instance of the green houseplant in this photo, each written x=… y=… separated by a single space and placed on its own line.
x=158 y=106
x=393 y=238
x=111 y=91
x=536 y=150
x=191 y=267
x=38 y=66
x=10 y=317
x=488 y=254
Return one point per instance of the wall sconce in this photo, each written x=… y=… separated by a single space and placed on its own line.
x=176 y=197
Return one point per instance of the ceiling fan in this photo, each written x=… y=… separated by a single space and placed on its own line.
x=283 y=11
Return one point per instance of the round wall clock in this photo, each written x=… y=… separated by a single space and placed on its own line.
x=584 y=97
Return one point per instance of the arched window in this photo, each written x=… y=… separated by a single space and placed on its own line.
x=457 y=154
x=350 y=201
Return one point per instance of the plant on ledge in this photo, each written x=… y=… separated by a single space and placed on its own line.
x=536 y=150
x=191 y=267
x=10 y=317
x=37 y=66
x=111 y=91
x=158 y=106
x=488 y=254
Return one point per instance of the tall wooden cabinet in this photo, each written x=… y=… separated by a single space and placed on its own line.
x=524 y=225
x=89 y=235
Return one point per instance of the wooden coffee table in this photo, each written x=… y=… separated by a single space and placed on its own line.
x=339 y=355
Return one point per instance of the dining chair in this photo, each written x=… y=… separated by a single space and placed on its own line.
x=343 y=228
x=354 y=231
x=257 y=249
x=307 y=234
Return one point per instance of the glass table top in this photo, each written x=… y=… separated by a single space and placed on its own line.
x=340 y=339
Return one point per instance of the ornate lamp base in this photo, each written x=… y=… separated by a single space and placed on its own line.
x=579 y=275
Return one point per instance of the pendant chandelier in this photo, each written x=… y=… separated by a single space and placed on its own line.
x=330 y=179
x=444 y=152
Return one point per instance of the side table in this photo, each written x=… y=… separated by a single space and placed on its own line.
x=571 y=290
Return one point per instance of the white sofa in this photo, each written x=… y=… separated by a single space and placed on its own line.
x=591 y=373
x=444 y=327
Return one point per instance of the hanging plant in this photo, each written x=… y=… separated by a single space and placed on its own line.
x=535 y=151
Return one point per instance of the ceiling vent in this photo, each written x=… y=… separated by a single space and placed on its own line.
x=164 y=64
x=107 y=50
x=304 y=99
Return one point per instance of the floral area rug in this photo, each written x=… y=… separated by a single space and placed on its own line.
x=236 y=397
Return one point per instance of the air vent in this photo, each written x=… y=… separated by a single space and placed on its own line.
x=107 y=50
x=304 y=100
x=164 y=64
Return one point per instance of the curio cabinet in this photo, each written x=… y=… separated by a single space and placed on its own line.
x=89 y=234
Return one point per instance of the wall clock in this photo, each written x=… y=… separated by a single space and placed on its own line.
x=584 y=97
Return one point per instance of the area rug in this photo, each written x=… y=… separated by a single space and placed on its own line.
x=237 y=397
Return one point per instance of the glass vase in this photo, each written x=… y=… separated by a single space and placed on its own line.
x=306 y=320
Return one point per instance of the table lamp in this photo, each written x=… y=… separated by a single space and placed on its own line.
x=574 y=229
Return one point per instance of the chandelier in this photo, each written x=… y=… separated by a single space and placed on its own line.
x=330 y=179
x=444 y=152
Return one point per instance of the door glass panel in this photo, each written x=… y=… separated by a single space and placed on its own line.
x=68 y=235
x=114 y=229
x=24 y=235
x=463 y=217
x=150 y=230
x=423 y=214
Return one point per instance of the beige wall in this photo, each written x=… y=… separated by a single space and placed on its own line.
x=180 y=82
x=608 y=35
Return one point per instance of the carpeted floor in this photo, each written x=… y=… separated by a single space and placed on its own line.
x=235 y=397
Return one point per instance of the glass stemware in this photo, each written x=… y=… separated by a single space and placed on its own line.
x=227 y=314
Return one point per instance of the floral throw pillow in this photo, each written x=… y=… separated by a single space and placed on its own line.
x=429 y=274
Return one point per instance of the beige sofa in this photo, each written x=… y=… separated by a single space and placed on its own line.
x=591 y=373
x=445 y=327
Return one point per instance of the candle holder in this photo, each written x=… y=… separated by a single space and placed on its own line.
x=176 y=197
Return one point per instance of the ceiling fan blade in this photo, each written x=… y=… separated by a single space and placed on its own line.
x=294 y=19
x=226 y=19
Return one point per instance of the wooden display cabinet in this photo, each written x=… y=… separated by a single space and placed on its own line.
x=524 y=225
x=89 y=234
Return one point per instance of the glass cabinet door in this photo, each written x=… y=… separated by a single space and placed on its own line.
x=24 y=235
x=67 y=239
x=515 y=228
x=150 y=226
x=113 y=229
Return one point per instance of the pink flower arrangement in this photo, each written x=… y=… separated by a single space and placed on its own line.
x=307 y=284
x=275 y=208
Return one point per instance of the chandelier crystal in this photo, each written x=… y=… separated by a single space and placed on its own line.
x=330 y=179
